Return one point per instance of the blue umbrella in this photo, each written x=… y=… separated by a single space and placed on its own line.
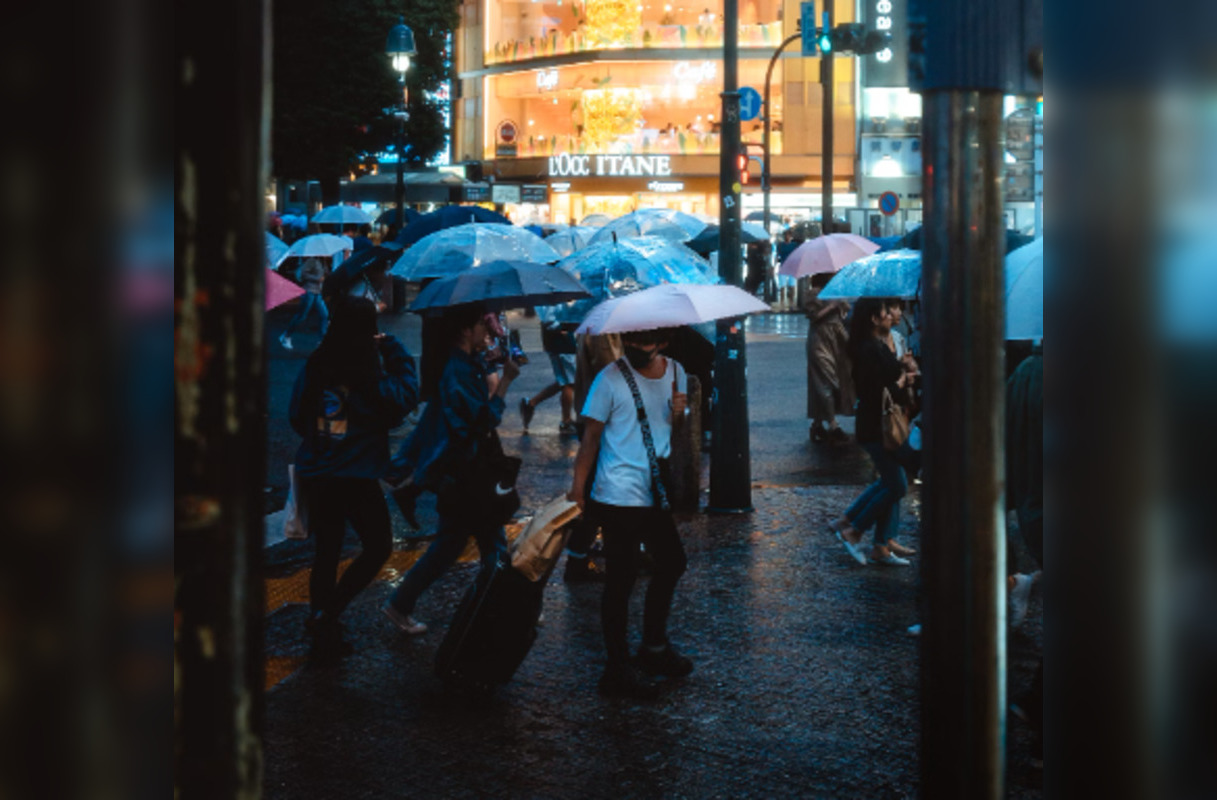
x=896 y=273
x=662 y=222
x=1025 y=292
x=611 y=269
x=275 y=248
x=500 y=285
x=455 y=249
x=912 y=240
x=447 y=217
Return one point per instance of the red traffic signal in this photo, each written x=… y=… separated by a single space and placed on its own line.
x=741 y=163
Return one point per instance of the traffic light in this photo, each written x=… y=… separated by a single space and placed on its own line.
x=824 y=41
x=741 y=163
x=852 y=38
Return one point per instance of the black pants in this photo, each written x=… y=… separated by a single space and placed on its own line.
x=625 y=528
x=332 y=502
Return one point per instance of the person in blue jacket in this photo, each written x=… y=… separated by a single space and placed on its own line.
x=357 y=386
x=462 y=411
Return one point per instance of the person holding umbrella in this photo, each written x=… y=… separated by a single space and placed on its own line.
x=312 y=277
x=631 y=411
x=463 y=412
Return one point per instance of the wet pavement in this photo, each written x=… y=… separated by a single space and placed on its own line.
x=805 y=682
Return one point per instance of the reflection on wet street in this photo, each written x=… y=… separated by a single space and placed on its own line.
x=789 y=326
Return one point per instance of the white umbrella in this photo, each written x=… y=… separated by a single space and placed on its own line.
x=668 y=306
x=826 y=254
x=1025 y=292
x=342 y=215
x=319 y=245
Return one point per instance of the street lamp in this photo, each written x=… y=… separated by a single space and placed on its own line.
x=399 y=47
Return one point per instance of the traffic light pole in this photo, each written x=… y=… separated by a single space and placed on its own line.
x=826 y=73
x=766 y=168
x=730 y=467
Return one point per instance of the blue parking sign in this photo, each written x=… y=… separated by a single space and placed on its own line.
x=749 y=103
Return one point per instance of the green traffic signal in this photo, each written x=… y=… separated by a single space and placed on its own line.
x=824 y=42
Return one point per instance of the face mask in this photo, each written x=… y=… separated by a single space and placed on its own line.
x=639 y=358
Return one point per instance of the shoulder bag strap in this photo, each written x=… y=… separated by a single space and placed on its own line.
x=657 y=487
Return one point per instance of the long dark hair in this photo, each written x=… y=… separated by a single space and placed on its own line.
x=861 y=325
x=347 y=356
x=440 y=335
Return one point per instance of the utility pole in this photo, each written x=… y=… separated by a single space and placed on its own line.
x=730 y=466
x=961 y=55
x=826 y=72
x=766 y=166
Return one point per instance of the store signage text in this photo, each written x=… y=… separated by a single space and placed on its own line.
x=547 y=80
x=684 y=71
x=883 y=22
x=665 y=186
x=560 y=186
x=574 y=166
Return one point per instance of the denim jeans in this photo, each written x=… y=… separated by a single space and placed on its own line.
x=308 y=302
x=442 y=554
x=879 y=504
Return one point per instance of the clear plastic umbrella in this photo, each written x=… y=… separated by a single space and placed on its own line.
x=662 y=222
x=452 y=250
x=596 y=220
x=276 y=248
x=669 y=306
x=342 y=215
x=319 y=245
x=568 y=240
x=1025 y=292
x=895 y=273
x=611 y=269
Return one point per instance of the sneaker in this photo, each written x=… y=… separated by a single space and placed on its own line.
x=286 y=341
x=900 y=549
x=567 y=429
x=405 y=623
x=818 y=435
x=626 y=681
x=666 y=662
x=882 y=555
x=1020 y=596
x=526 y=411
x=914 y=630
x=853 y=548
x=582 y=570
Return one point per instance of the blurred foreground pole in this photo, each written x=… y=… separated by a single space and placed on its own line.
x=730 y=465
x=222 y=94
x=963 y=665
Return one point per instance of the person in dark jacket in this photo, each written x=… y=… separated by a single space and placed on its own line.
x=875 y=369
x=443 y=446
x=355 y=388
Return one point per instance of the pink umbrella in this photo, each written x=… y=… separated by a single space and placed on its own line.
x=826 y=254
x=670 y=305
x=279 y=289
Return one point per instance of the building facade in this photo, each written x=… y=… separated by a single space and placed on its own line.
x=568 y=109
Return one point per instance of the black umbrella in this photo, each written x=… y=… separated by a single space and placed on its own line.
x=707 y=241
x=346 y=274
x=912 y=240
x=500 y=285
x=447 y=217
x=390 y=217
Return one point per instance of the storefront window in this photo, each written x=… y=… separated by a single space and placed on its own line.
x=660 y=107
x=517 y=30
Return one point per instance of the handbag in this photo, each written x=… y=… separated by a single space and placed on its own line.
x=537 y=549
x=660 y=469
x=485 y=491
x=893 y=423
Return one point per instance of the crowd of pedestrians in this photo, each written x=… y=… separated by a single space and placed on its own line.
x=625 y=398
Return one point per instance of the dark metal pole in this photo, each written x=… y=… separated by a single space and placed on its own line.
x=401 y=158
x=730 y=468
x=826 y=64
x=766 y=166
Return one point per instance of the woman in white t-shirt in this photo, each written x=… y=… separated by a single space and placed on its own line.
x=631 y=507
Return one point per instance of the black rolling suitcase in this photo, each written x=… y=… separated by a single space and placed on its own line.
x=493 y=629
